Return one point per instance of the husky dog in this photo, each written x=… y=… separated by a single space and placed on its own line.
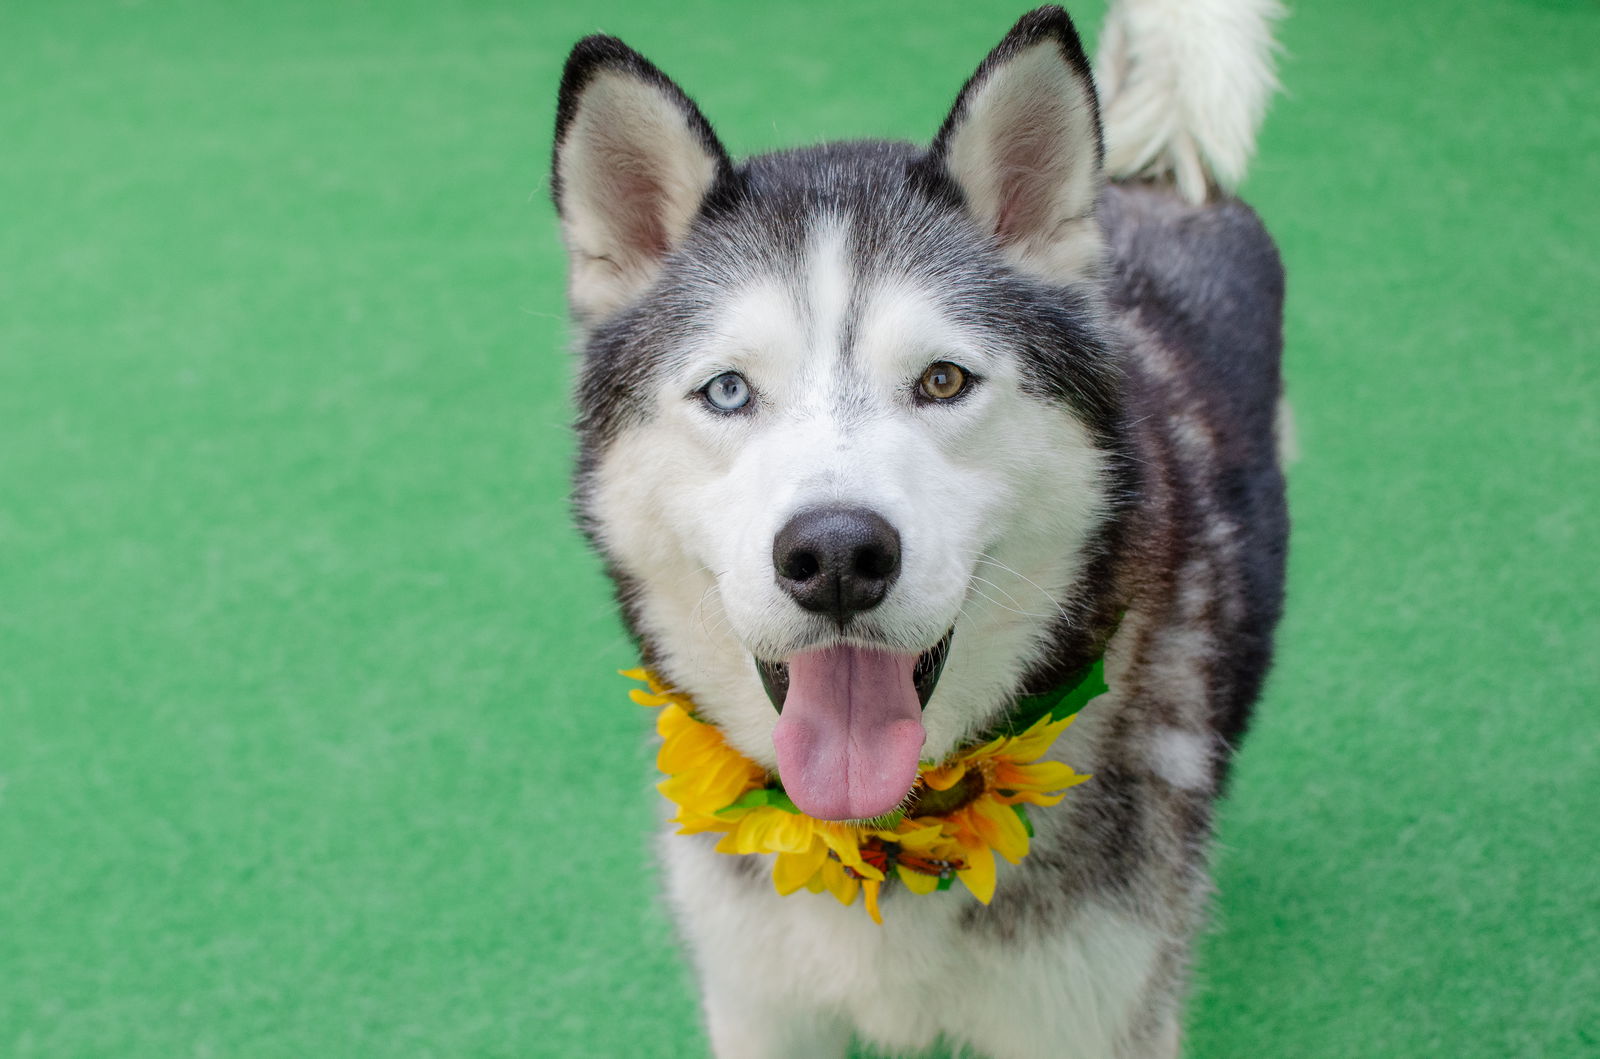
x=1007 y=403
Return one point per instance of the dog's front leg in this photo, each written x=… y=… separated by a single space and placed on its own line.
x=760 y=1002
x=752 y=1024
x=1091 y=983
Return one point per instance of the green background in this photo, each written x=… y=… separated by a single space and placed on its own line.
x=310 y=742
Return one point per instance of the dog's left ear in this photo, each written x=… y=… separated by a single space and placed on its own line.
x=1022 y=144
x=634 y=163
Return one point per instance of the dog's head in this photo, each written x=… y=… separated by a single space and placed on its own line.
x=845 y=412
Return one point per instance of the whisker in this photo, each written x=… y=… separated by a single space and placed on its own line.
x=1002 y=606
x=698 y=612
x=1061 y=608
x=999 y=588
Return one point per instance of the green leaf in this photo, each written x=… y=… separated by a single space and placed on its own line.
x=1093 y=683
x=947 y=881
x=1058 y=704
x=762 y=797
x=1022 y=814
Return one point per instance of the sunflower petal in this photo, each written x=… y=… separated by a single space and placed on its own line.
x=1001 y=828
x=1032 y=744
x=978 y=875
x=768 y=830
x=870 y=889
x=1039 y=776
x=840 y=884
x=945 y=776
x=792 y=833
x=691 y=747
x=916 y=881
x=790 y=871
x=846 y=845
x=918 y=837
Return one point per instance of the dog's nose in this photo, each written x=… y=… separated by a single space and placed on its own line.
x=837 y=560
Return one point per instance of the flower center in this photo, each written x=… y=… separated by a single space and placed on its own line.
x=928 y=802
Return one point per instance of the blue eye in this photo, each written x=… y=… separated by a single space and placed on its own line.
x=728 y=392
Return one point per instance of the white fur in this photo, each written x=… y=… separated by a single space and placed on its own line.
x=1183 y=87
x=1182 y=758
x=785 y=977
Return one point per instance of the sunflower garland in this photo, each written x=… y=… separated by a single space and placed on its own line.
x=962 y=811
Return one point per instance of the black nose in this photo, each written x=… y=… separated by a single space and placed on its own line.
x=837 y=560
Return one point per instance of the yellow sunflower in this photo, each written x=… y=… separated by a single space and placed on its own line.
x=961 y=812
x=995 y=781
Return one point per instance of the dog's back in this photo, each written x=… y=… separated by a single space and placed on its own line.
x=1198 y=290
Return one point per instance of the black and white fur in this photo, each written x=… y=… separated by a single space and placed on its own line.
x=1110 y=483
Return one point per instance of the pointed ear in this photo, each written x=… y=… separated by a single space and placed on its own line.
x=634 y=162
x=1022 y=143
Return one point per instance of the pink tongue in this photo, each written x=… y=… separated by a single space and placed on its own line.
x=850 y=733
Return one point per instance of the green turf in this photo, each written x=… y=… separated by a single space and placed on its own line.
x=309 y=742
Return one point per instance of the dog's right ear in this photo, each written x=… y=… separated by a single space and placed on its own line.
x=634 y=162
x=1022 y=144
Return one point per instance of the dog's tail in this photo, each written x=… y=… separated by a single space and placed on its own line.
x=1183 y=87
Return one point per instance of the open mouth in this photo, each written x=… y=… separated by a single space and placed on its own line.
x=924 y=675
x=850 y=733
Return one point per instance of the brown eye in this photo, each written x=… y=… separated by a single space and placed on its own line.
x=943 y=381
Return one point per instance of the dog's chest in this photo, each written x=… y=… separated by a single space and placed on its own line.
x=924 y=975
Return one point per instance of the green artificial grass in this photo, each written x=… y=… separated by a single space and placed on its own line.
x=310 y=742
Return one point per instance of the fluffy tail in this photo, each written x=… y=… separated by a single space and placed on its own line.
x=1183 y=87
